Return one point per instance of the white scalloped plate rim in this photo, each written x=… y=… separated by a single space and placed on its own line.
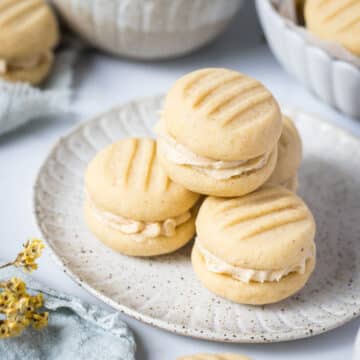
x=297 y=333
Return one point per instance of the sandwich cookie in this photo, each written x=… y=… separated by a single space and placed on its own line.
x=256 y=249
x=214 y=357
x=132 y=206
x=218 y=132
x=28 y=35
x=335 y=20
x=289 y=157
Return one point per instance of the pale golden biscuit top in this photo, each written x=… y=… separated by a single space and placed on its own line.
x=214 y=357
x=126 y=179
x=289 y=153
x=335 y=20
x=222 y=114
x=28 y=28
x=269 y=229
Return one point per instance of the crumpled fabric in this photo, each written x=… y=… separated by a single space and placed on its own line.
x=21 y=102
x=76 y=330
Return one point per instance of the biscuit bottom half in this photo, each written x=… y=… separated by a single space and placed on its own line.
x=291 y=184
x=137 y=244
x=32 y=74
x=252 y=293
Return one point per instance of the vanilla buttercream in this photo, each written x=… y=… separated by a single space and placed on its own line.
x=147 y=229
x=220 y=170
x=216 y=265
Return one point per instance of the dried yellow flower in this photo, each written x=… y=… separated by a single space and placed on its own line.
x=37 y=301
x=18 y=308
x=23 y=305
x=32 y=251
x=40 y=320
x=14 y=286
x=6 y=300
x=15 y=329
x=4 y=329
x=9 y=329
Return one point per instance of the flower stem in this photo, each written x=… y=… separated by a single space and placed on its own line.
x=6 y=265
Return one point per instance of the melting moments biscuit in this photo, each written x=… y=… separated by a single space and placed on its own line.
x=289 y=156
x=28 y=34
x=132 y=206
x=335 y=20
x=218 y=132
x=256 y=249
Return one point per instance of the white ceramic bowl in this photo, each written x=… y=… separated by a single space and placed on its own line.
x=334 y=81
x=151 y=29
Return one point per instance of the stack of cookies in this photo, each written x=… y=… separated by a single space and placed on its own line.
x=221 y=134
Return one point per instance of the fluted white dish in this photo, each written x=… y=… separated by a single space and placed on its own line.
x=151 y=29
x=334 y=81
x=163 y=291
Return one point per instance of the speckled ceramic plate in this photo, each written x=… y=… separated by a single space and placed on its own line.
x=163 y=291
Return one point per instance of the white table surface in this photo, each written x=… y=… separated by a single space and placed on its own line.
x=102 y=82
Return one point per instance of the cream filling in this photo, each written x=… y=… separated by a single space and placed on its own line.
x=216 y=265
x=147 y=229
x=20 y=64
x=217 y=169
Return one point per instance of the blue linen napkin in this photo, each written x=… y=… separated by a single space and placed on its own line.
x=21 y=102
x=76 y=330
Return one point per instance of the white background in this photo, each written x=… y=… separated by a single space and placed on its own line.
x=102 y=82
